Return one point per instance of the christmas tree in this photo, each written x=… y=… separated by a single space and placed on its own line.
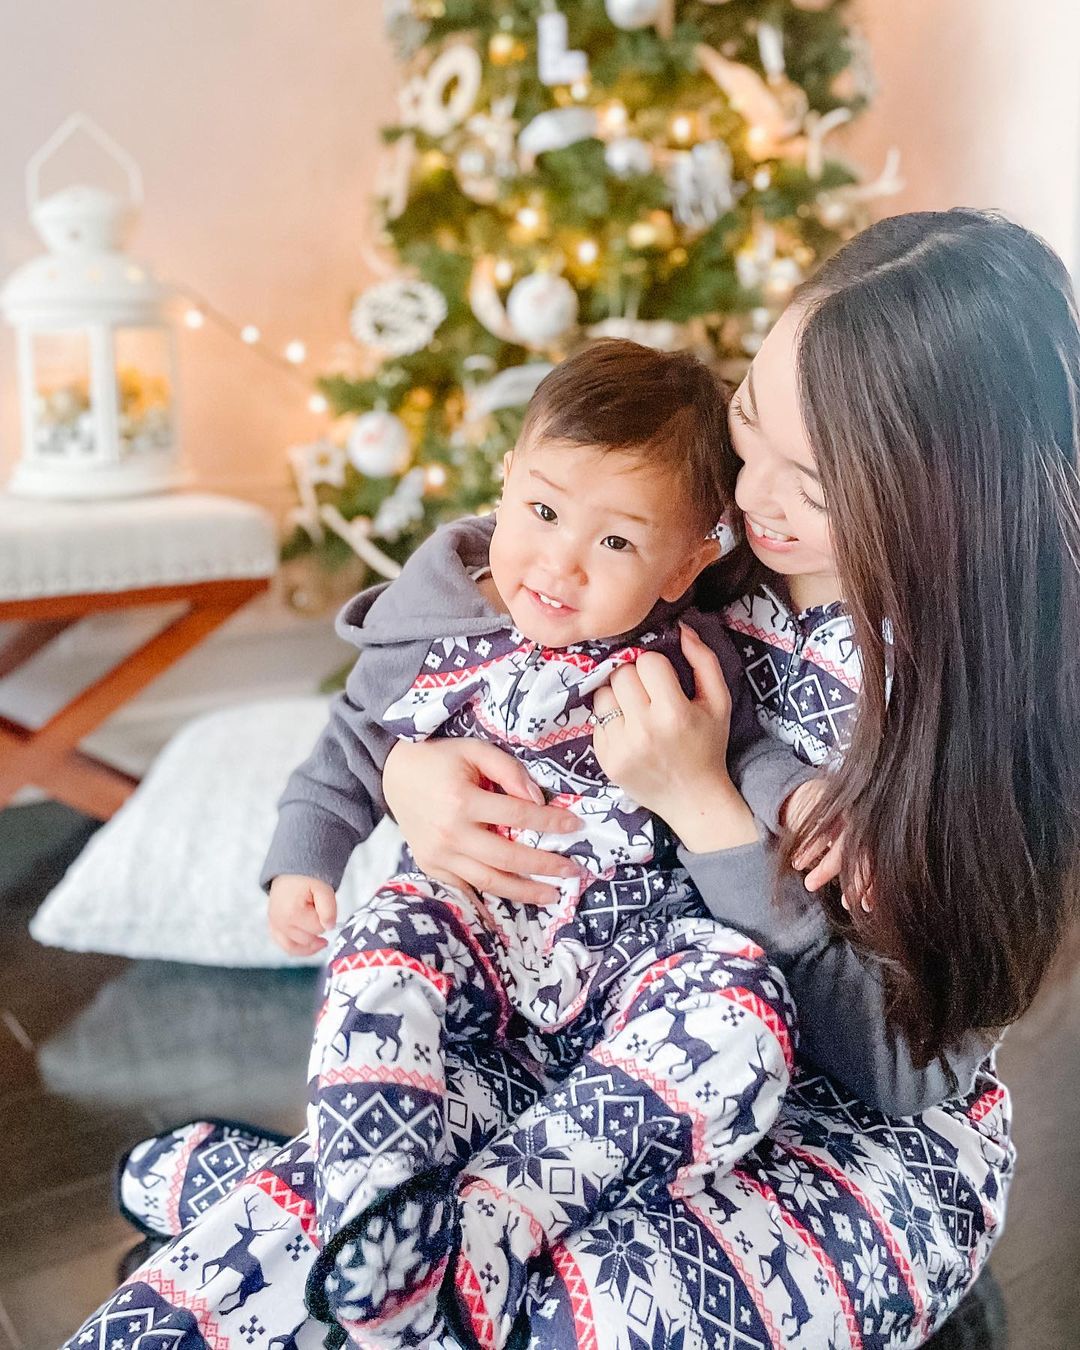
x=562 y=170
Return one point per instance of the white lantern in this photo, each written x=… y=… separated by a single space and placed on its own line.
x=96 y=354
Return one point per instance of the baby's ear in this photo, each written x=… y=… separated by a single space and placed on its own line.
x=706 y=552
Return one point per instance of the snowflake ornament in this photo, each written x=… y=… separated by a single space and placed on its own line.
x=399 y=316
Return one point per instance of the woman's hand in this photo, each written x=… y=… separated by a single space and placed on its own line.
x=822 y=858
x=440 y=796
x=670 y=752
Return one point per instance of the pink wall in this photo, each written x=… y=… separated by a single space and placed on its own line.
x=255 y=125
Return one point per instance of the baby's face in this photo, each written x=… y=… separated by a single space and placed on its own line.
x=587 y=542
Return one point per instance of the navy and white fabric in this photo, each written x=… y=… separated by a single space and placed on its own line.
x=838 y=1227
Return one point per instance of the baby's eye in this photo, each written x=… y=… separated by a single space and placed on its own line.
x=616 y=543
x=544 y=511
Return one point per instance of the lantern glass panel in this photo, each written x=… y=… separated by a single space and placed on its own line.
x=144 y=391
x=63 y=412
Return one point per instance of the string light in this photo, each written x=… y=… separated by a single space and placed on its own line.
x=528 y=217
x=435 y=476
x=199 y=312
x=504 y=270
x=682 y=128
x=579 y=90
x=588 y=251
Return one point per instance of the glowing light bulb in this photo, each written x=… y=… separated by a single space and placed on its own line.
x=757 y=137
x=612 y=117
x=504 y=270
x=528 y=217
x=682 y=128
x=588 y=251
x=250 y=334
x=194 y=318
x=579 y=90
x=317 y=403
x=434 y=476
x=295 y=352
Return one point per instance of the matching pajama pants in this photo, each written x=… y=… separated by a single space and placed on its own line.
x=663 y=1193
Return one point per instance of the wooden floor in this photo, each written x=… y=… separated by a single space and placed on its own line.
x=96 y=1052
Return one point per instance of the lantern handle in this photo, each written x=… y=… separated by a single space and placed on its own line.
x=81 y=122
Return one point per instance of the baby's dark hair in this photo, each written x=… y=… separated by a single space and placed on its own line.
x=664 y=408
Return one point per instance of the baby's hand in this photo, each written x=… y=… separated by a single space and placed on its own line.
x=823 y=857
x=301 y=909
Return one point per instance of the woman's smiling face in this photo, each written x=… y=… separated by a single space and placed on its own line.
x=778 y=492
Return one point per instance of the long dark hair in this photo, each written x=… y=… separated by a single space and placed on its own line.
x=938 y=358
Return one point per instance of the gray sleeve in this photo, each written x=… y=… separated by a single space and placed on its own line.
x=838 y=992
x=333 y=800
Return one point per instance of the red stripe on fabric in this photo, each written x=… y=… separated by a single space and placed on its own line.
x=284 y=1197
x=831 y=1273
x=849 y=679
x=467 y=1283
x=989 y=1101
x=767 y=1015
x=399 y=1077
x=385 y=959
x=580 y=1304
x=169 y=1290
x=776 y=1334
x=559 y=736
x=771 y=639
x=841 y=1179
x=172 y=1202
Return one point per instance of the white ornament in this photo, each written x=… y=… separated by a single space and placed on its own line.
x=541 y=307
x=485 y=301
x=398 y=317
x=756 y=257
x=555 y=62
x=771 y=50
x=627 y=156
x=556 y=129
x=405 y=30
x=394 y=174
x=320 y=462
x=488 y=152
x=701 y=184
x=817 y=128
x=402 y=508
x=632 y=14
x=661 y=334
x=510 y=388
x=448 y=90
x=378 y=445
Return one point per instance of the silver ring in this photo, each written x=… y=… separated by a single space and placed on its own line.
x=607 y=717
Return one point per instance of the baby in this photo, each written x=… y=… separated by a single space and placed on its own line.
x=641 y=1009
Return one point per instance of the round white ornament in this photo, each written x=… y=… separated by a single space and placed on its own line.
x=632 y=13
x=378 y=445
x=399 y=316
x=541 y=307
x=627 y=156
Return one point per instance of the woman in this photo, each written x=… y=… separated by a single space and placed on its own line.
x=909 y=442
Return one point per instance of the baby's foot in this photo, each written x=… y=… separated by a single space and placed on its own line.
x=379 y=1277
x=498 y=1239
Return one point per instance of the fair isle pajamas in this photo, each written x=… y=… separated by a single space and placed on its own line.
x=841 y=1228
x=682 y=1041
